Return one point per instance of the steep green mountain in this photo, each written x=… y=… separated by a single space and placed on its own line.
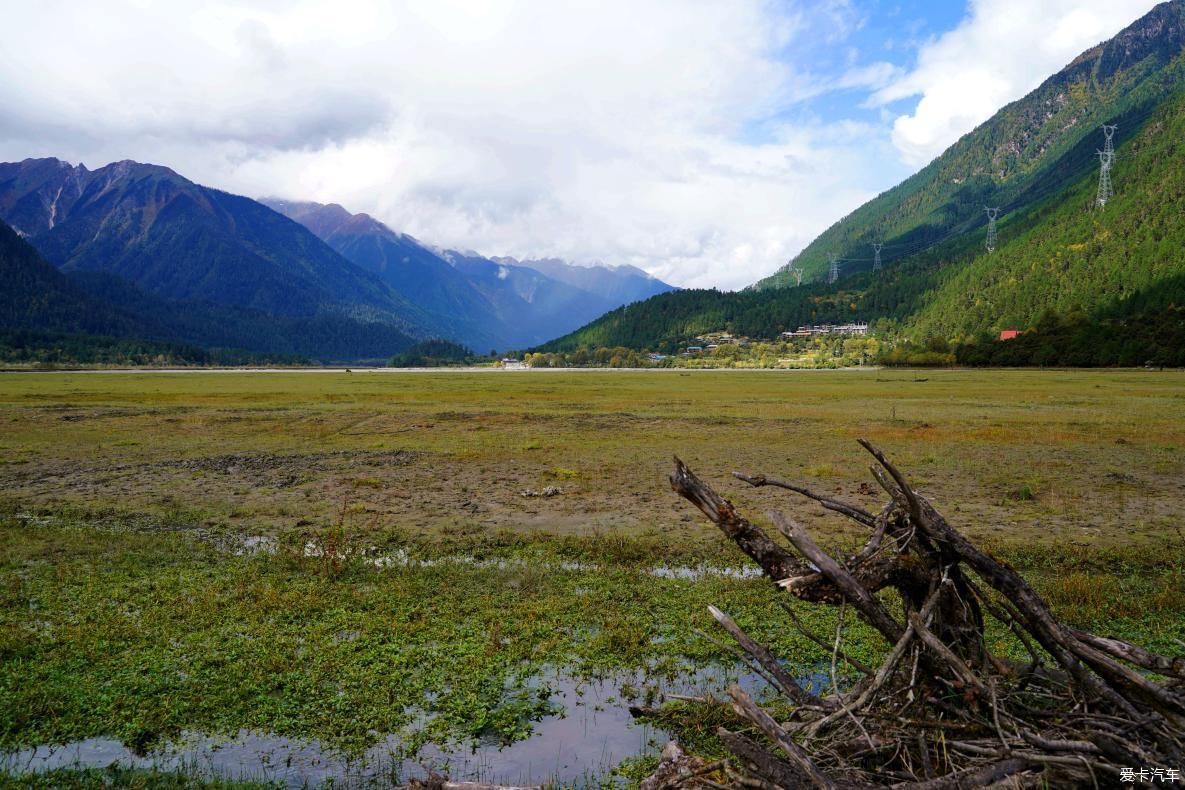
x=1057 y=250
x=1031 y=149
x=1068 y=255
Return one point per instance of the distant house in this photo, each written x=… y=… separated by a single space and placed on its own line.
x=694 y=349
x=828 y=329
x=1009 y=334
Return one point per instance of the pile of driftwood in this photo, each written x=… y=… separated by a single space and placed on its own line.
x=941 y=711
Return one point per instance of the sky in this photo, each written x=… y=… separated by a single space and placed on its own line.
x=706 y=142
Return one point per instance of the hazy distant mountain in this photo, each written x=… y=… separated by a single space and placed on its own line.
x=484 y=303
x=448 y=302
x=618 y=284
x=532 y=304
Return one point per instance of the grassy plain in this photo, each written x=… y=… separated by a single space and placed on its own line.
x=128 y=605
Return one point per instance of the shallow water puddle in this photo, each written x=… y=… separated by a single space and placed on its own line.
x=400 y=558
x=591 y=733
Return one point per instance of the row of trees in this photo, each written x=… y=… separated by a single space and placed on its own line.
x=820 y=351
x=1075 y=340
x=435 y=354
x=48 y=349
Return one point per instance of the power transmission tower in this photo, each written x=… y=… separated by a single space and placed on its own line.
x=1106 y=159
x=795 y=272
x=833 y=272
x=1105 y=191
x=992 y=213
x=876 y=262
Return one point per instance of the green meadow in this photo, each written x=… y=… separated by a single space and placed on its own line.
x=342 y=556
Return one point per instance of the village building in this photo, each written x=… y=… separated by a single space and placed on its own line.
x=828 y=329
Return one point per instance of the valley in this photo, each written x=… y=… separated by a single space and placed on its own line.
x=291 y=497
x=370 y=558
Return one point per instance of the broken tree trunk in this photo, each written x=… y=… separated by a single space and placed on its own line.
x=941 y=711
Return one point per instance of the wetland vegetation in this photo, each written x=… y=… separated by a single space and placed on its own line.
x=360 y=559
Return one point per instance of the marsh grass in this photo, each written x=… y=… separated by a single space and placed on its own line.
x=130 y=607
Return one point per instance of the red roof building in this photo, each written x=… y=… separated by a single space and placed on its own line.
x=1009 y=334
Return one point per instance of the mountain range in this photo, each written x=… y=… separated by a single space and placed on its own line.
x=137 y=250
x=1058 y=250
x=499 y=303
x=180 y=262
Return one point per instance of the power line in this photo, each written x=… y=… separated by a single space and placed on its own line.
x=1018 y=199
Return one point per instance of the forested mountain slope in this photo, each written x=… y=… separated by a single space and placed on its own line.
x=47 y=307
x=1029 y=150
x=37 y=296
x=1057 y=250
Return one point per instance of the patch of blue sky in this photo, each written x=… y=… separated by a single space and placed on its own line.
x=845 y=51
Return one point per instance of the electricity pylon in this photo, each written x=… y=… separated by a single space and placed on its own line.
x=833 y=272
x=876 y=262
x=992 y=213
x=1105 y=191
x=1106 y=159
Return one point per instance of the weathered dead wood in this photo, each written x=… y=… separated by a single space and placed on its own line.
x=782 y=679
x=748 y=709
x=855 y=663
x=1162 y=665
x=981 y=776
x=963 y=672
x=777 y=563
x=940 y=711
x=766 y=764
x=848 y=587
x=853 y=512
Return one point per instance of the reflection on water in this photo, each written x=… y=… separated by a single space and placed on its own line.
x=591 y=733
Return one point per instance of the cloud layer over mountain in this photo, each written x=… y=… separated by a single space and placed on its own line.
x=683 y=138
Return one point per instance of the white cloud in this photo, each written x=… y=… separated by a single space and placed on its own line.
x=609 y=130
x=1000 y=52
x=605 y=130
